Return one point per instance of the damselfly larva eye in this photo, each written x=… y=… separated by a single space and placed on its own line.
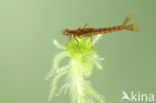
x=65 y=32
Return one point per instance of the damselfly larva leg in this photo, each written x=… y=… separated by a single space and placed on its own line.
x=76 y=45
x=91 y=42
x=85 y=26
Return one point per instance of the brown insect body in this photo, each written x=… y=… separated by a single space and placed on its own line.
x=89 y=32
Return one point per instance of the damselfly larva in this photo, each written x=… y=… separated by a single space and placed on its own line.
x=89 y=32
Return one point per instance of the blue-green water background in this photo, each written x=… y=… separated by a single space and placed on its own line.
x=27 y=28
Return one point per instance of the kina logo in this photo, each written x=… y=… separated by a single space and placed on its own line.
x=137 y=96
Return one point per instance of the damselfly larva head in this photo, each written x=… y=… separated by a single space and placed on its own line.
x=66 y=32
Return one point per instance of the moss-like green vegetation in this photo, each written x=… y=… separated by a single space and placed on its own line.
x=82 y=59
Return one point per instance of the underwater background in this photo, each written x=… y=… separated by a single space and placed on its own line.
x=27 y=28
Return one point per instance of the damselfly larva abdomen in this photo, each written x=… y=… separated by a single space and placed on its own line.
x=91 y=31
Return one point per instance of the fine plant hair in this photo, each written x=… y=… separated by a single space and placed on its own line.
x=76 y=71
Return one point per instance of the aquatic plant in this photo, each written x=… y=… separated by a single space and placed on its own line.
x=82 y=59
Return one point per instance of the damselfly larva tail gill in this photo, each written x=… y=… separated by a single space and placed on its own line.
x=89 y=32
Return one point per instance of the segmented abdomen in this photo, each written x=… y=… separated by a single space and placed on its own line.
x=87 y=32
x=108 y=30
